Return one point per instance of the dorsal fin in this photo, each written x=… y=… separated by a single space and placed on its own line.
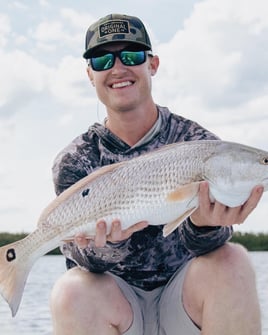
x=76 y=187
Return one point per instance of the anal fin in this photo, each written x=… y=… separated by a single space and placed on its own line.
x=171 y=226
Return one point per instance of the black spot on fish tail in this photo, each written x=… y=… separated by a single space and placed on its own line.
x=85 y=192
x=11 y=255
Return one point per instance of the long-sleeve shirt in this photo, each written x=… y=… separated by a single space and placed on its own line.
x=146 y=259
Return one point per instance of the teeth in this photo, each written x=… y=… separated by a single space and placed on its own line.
x=122 y=84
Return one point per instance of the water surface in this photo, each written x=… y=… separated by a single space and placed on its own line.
x=33 y=317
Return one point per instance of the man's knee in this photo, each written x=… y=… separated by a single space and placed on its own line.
x=69 y=289
x=97 y=294
x=225 y=270
x=77 y=287
x=228 y=259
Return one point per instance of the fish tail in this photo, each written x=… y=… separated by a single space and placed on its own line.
x=14 y=270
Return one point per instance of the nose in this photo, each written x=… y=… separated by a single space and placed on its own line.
x=118 y=65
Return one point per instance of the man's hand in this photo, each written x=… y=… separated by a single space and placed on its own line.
x=116 y=234
x=216 y=214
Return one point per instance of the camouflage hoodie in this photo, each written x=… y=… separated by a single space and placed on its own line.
x=147 y=259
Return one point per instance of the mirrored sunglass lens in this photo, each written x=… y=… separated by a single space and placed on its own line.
x=132 y=58
x=101 y=63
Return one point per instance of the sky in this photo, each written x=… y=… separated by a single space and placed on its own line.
x=213 y=69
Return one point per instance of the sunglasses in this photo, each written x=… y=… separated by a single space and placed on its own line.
x=106 y=59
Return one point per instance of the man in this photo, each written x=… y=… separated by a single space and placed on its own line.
x=136 y=281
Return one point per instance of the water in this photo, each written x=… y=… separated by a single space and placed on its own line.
x=33 y=317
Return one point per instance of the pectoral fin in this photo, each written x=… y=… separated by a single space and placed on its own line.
x=184 y=192
x=170 y=227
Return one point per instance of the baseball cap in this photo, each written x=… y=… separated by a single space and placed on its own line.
x=116 y=28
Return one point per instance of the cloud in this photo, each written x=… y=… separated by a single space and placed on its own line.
x=18 y=5
x=78 y=20
x=65 y=31
x=24 y=78
x=23 y=197
x=4 y=29
x=213 y=52
x=28 y=77
x=214 y=68
x=69 y=83
x=50 y=31
x=44 y=3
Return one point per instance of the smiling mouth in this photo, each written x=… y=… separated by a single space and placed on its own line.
x=122 y=84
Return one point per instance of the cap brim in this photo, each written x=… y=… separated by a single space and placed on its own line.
x=89 y=52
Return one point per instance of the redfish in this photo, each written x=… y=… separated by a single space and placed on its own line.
x=160 y=187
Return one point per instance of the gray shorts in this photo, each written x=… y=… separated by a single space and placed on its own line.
x=161 y=311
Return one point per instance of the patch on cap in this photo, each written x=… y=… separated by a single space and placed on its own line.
x=114 y=27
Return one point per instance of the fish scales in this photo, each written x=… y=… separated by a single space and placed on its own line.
x=145 y=179
x=160 y=187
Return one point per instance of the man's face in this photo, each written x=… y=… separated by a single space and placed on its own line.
x=122 y=87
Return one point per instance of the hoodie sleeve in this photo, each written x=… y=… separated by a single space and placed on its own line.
x=95 y=259
x=201 y=240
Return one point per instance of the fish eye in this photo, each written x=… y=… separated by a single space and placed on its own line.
x=264 y=161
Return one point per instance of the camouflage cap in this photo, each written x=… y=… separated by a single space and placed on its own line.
x=116 y=28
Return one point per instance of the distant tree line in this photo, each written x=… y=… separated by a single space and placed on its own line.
x=251 y=241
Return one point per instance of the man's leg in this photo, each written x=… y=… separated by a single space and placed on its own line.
x=219 y=293
x=85 y=303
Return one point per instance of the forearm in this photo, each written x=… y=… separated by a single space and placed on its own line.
x=95 y=259
x=201 y=240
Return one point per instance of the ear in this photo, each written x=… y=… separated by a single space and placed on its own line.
x=154 y=64
x=90 y=75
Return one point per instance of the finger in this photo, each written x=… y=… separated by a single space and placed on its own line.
x=219 y=209
x=233 y=216
x=252 y=202
x=204 y=195
x=100 y=238
x=116 y=231
x=255 y=196
x=135 y=228
x=202 y=215
x=81 y=241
